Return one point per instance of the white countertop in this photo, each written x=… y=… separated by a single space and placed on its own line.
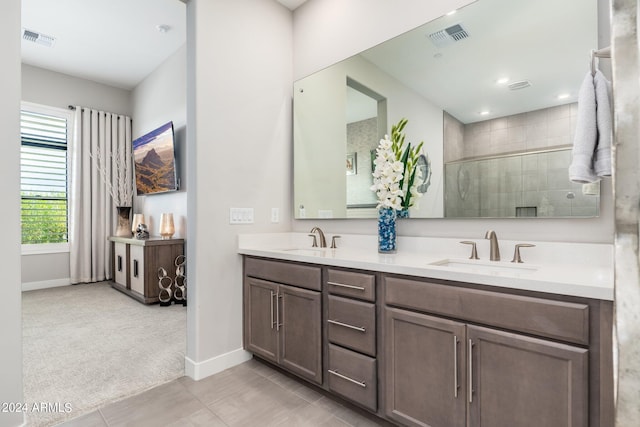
x=576 y=269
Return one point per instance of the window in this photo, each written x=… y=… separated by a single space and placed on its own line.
x=43 y=174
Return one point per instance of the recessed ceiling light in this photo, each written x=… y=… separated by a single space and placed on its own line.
x=163 y=28
x=485 y=112
x=452 y=12
x=502 y=80
x=564 y=96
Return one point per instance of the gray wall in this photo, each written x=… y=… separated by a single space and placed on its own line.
x=54 y=89
x=159 y=98
x=60 y=90
x=239 y=155
x=315 y=48
x=10 y=315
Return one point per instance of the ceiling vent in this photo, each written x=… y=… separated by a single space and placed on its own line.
x=522 y=84
x=452 y=34
x=39 y=38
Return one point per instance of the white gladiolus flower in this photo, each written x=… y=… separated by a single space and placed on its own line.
x=390 y=169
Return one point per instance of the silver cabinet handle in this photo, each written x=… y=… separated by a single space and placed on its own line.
x=455 y=367
x=279 y=296
x=470 y=371
x=272 y=322
x=342 y=285
x=346 y=325
x=344 y=377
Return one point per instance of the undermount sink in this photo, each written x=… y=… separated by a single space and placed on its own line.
x=307 y=251
x=495 y=268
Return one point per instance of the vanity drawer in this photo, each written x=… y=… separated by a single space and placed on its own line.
x=352 y=324
x=303 y=276
x=352 y=284
x=547 y=318
x=353 y=376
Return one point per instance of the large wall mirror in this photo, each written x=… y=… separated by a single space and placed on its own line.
x=491 y=90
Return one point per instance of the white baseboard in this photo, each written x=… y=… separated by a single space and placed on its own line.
x=44 y=284
x=200 y=370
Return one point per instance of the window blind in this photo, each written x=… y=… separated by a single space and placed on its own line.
x=43 y=173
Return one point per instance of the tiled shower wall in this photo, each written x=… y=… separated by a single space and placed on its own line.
x=362 y=137
x=521 y=185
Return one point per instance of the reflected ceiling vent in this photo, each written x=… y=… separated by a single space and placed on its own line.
x=39 y=38
x=452 y=34
x=522 y=84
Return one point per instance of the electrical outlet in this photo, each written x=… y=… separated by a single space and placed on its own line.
x=240 y=215
x=275 y=215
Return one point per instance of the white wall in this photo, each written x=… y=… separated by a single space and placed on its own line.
x=239 y=155
x=10 y=315
x=159 y=98
x=54 y=89
x=360 y=24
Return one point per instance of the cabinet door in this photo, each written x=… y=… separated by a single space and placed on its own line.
x=300 y=332
x=120 y=263
x=424 y=367
x=260 y=334
x=136 y=268
x=523 y=381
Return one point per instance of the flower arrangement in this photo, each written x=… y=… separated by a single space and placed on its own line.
x=396 y=176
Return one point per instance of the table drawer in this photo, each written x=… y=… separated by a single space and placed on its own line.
x=353 y=376
x=538 y=316
x=352 y=324
x=352 y=284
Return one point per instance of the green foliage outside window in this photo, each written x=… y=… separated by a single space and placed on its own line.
x=44 y=218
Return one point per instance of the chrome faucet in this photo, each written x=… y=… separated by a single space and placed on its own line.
x=494 y=254
x=323 y=241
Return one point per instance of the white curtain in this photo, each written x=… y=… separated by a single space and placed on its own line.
x=100 y=140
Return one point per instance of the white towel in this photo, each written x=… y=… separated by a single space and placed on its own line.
x=584 y=143
x=602 y=159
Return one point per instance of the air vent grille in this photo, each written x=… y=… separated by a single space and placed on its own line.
x=39 y=38
x=452 y=34
x=519 y=85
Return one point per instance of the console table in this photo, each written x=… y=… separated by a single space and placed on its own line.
x=135 y=264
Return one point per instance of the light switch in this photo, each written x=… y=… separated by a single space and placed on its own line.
x=275 y=215
x=241 y=216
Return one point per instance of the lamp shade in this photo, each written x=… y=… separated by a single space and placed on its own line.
x=166 y=225
x=137 y=220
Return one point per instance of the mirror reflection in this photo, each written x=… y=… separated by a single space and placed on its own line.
x=497 y=79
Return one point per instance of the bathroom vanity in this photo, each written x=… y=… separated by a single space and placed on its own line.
x=419 y=341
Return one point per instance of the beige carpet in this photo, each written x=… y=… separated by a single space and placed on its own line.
x=87 y=345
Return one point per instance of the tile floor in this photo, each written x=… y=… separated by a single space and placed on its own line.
x=250 y=394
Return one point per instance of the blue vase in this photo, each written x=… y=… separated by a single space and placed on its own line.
x=402 y=213
x=386 y=231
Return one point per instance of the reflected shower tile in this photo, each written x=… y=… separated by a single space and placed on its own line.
x=516 y=120
x=559 y=127
x=517 y=134
x=498 y=124
x=559 y=111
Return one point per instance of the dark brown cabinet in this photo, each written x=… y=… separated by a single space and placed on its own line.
x=442 y=370
x=135 y=264
x=427 y=352
x=439 y=371
x=425 y=369
x=283 y=323
x=351 y=336
x=518 y=380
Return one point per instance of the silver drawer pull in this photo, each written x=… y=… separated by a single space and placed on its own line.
x=344 y=377
x=346 y=325
x=342 y=285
